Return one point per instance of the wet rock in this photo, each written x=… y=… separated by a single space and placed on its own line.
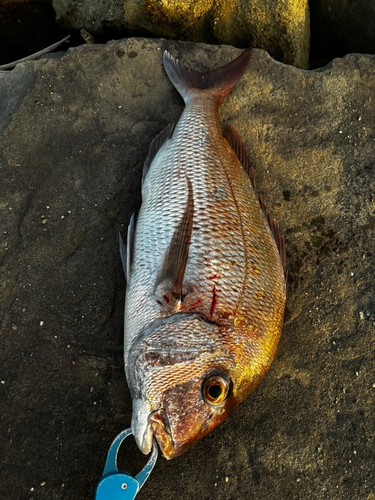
x=75 y=133
x=282 y=30
x=338 y=28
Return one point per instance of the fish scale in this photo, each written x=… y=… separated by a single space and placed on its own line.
x=206 y=272
x=164 y=198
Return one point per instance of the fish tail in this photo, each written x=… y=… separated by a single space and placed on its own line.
x=220 y=81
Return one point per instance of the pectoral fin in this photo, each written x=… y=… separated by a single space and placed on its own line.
x=172 y=269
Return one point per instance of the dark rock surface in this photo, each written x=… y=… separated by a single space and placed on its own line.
x=75 y=133
x=339 y=27
x=26 y=26
x=281 y=28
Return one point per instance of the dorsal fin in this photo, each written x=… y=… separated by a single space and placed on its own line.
x=172 y=270
x=239 y=150
x=155 y=146
x=278 y=237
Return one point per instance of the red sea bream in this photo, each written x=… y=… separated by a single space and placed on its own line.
x=205 y=268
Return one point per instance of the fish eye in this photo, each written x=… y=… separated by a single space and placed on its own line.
x=215 y=390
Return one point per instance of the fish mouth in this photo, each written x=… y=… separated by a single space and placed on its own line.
x=161 y=430
x=141 y=429
x=155 y=426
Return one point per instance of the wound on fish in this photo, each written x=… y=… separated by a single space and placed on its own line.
x=213 y=303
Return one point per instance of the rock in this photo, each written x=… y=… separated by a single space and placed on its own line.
x=75 y=134
x=338 y=28
x=26 y=26
x=282 y=30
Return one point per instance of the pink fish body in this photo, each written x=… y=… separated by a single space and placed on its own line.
x=205 y=271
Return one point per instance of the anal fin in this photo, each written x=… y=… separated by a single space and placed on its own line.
x=155 y=146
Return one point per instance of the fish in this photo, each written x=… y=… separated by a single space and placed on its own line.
x=205 y=269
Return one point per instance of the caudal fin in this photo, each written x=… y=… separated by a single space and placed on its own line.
x=220 y=80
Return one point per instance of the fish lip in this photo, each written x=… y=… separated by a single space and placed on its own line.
x=159 y=423
x=141 y=429
x=160 y=417
x=161 y=429
x=155 y=427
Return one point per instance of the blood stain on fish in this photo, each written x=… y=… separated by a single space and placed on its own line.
x=213 y=303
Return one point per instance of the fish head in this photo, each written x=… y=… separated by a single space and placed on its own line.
x=180 y=377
